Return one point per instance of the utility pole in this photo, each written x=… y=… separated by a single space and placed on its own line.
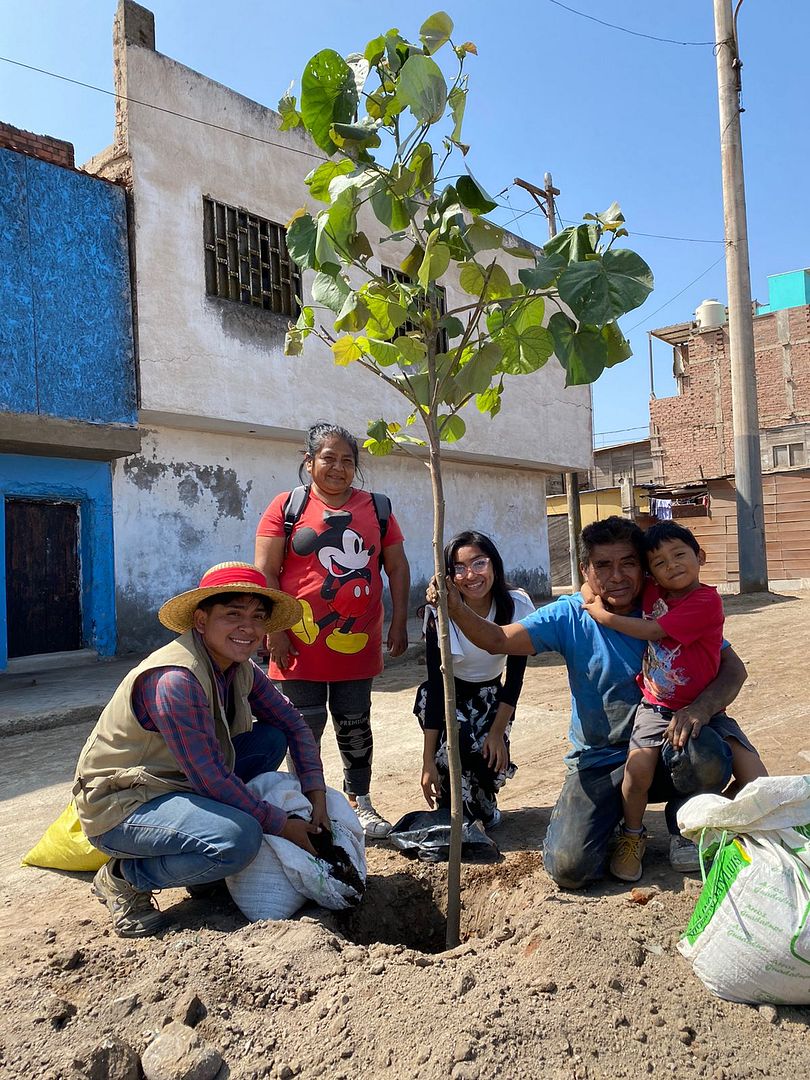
x=744 y=410
x=544 y=197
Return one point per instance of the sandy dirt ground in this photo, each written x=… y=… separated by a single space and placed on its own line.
x=547 y=983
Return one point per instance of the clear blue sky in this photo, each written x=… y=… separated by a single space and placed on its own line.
x=610 y=114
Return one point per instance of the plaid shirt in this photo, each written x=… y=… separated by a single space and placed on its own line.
x=170 y=700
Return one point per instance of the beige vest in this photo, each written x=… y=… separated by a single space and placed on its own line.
x=123 y=765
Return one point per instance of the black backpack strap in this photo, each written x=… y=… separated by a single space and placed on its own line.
x=382 y=508
x=293 y=509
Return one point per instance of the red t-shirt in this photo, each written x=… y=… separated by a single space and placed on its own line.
x=680 y=666
x=333 y=567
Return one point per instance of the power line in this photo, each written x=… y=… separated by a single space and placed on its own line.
x=677 y=294
x=621 y=430
x=625 y=29
x=160 y=108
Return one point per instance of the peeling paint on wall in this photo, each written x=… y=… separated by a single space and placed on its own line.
x=223 y=484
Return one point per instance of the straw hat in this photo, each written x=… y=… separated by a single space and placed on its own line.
x=230 y=577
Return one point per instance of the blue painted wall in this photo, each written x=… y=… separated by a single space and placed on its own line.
x=66 y=346
x=89 y=485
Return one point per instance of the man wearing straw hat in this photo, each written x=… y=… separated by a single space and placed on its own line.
x=160 y=785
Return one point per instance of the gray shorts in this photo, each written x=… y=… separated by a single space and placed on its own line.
x=653 y=720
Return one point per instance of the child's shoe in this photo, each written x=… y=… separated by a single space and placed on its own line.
x=626 y=862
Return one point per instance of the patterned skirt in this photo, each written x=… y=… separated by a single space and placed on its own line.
x=476 y=707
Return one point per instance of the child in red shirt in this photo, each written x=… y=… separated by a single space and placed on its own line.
x=683 y=626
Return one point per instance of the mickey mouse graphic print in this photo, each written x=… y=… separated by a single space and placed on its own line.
x=332 y=566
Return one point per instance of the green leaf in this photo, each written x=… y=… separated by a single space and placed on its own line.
x=422 y=87
x=328 y=96
x=457 y=100
x=412 y=349
x=301 y=236
x=618 y=347
x=293 y=343
x=526 y=313
x=353 y=315
x=326 y=258
x=483 y=236
x=346 y=350
x=379 y=447
x=386 y=315
x=451 y=428
x=600 y=289
x=572 y=244
x=544 y=273
x=354 y=136
x=390 y=210
x=384 y=353
x=319 y=179
x=305 y=320
x=473 y=196
x=476 y=374
x=452 y=326
x=472 y=277
x=375 y=50
x=421 y=165
x=359 y=246
x=524 y=350
x=435 y=31
x=583 y=353
x=330 y=291
x=412 y=261
x=290 y=116
x=435 y=262
x=490 y=401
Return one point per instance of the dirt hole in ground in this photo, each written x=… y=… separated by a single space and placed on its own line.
x=409 y=907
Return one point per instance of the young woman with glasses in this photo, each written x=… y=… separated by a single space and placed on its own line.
x=485 y=698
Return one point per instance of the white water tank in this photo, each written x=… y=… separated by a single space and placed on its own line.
x=710 y=315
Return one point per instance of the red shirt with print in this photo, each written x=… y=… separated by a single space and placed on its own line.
x=332 y=566
x=681 y=665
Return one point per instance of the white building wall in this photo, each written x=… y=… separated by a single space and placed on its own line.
x=191 y=499
x=226 y=411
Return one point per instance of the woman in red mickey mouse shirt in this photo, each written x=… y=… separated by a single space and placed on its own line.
x=332 y=565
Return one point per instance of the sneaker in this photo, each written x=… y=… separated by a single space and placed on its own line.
x=374 y=825
x=683 y=855
x=626 y=862
x=494 y=821
x=134 y=913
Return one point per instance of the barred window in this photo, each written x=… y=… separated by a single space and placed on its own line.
x=246 y=260
x=437 y=293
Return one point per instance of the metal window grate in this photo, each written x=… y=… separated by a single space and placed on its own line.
x=246 y=260
x=437 y=293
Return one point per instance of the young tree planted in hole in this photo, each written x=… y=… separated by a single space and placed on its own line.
x=389 y=121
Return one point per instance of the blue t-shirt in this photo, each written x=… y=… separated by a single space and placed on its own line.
x=602 y=669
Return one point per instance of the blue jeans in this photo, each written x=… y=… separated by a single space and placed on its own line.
x=186 y=839
x=589 y=808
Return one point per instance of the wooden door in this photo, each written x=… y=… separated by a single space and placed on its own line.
x=43 y=580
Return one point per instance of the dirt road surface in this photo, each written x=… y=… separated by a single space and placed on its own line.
x=552 y=984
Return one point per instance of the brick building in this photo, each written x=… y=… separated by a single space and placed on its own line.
x=692 y=435
x=693 y=442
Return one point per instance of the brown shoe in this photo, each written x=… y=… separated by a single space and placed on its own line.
x=626 y=862
x=134 y=913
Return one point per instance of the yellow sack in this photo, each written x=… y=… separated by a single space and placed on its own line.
x=65 y=847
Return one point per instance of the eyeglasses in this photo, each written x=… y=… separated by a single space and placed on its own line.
x=477 y=566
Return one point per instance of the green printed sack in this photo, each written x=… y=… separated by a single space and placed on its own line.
x=749 y=937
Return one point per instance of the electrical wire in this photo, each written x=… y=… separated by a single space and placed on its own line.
x=625 y=29
x=160 y=108
x=677 y=294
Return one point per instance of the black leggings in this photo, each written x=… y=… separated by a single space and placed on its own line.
x=350 y=706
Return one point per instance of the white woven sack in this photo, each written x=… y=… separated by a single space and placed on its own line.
x=283 y=876
x=749 y=937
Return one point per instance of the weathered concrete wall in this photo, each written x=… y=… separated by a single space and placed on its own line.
x=65 y=313
x=192 y=499
x=211 y=359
